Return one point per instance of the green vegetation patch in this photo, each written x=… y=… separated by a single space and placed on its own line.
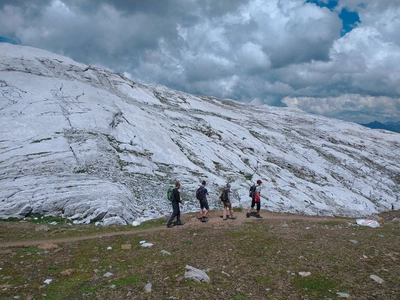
x=128 y=280
x=151 y=224
x=10 y=219
x=331 y=223
x=315 y=284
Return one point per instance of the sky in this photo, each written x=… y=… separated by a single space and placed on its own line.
x=339 y=59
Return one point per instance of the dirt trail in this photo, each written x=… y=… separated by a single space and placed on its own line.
x=190 y=221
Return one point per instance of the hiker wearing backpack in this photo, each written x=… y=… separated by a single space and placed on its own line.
x=255 y=199
x=201 y=195
x=175 y=201
x=226 y=200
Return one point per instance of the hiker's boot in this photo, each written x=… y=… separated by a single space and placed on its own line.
x=258 y=216
x=247 y=215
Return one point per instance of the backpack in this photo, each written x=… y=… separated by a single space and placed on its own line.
x=223 y=196
x=252 y=191
x=199 y=194
x=170 y=194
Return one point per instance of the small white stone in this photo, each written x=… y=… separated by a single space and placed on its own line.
x=376 y=278
x=148 y=287
x=343 y=295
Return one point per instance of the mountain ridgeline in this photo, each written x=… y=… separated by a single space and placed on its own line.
x=391 y=126
x=93 y=146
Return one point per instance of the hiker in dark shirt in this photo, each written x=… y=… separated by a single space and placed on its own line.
x=204 y=203
x=176 y=212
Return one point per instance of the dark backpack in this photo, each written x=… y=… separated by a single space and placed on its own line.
x=170 y=194
x=252 y=191
x=223 y=196
x=199 y=193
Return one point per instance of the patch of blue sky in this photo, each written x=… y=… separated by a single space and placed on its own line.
x=6 y=40
x=350 y=19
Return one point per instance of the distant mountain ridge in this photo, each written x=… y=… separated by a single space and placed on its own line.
x=391 y=126
x=90 y=145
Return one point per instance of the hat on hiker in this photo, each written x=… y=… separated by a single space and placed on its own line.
x=259 y=181
x=203 y=182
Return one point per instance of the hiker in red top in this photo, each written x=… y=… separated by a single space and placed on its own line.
x=256 y=200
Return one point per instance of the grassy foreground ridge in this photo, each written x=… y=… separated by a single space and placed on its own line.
x=246 y=258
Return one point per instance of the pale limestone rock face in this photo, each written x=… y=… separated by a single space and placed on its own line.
x=93 y=146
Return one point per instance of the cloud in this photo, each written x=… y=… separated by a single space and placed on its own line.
x=353 y=107
x=243 y=50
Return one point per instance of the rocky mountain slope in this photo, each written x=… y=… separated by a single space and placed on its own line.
x=92 y=145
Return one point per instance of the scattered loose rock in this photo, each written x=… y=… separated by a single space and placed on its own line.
x=376 y=278
x=343 y=295
x=196 y=274
x=148 y=287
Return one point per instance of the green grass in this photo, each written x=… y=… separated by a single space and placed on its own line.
x=128 y=281
x=151 y=224
x=10 y=219
x=316 y=285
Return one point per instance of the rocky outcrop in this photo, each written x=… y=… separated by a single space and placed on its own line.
x=90 y=145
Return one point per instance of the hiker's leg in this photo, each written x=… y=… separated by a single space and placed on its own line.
x=178 y=216
x=253 y=203
x=202 y=209
x=231 y=210
x=206 y=207
x=171 y=219
x=224 y=212
x=258 y=208
x=175 y=207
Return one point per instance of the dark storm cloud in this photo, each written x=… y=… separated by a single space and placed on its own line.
x=275 y=52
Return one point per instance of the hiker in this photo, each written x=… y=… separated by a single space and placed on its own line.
x=176 y=212
x=227 y=203
x=255 y=200
x=203 y=202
